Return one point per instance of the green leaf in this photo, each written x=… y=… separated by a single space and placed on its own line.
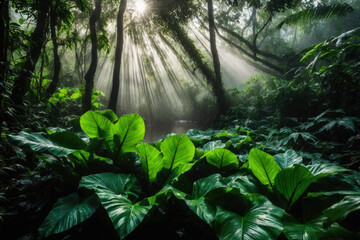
x=39 y=144
x=222 y=158
x=314 y=229
x=151 y=160
x=124 y=215
x=205 y=185
x=244 y=183
x=130 y=130
x=293 y=182
x=124 y=184
x=200 y=205
x=340 y=210
x=108 y=113
x=213 y=145
x=66 y=213
x=68 y=140
x=263 y=167
x=261 y=221
x=97 y=126
x=325 y=169
x=287 y=159
x=177 y=150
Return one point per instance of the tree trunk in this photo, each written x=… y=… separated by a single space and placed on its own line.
x=4 y=42
x=90 y=74
x=57 y=64
x=119 y=48
x=38 y=37
x=218 y=87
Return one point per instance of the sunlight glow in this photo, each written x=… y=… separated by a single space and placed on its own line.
x=140 y=6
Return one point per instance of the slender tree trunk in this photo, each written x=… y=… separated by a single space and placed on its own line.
x=90 y=75
x=4 y=43
x=57 y=64
x=254 y=21
x=119 y=48
x=218 y=87
x=37 y=39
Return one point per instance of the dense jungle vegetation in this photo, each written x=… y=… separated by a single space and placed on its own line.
x=93 y=94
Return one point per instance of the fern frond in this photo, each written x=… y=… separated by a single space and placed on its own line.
x=320 y=12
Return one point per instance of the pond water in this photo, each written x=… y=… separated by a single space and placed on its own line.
x=156 y=130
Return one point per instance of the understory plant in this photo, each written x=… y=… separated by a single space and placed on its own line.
x=221 y=178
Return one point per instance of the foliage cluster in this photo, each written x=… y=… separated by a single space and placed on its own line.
x=219 y=178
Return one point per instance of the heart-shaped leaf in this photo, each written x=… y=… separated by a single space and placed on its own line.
x=66 y=213
x=293 y=182
x=177 y=150
x=151 y=160
x=130 y=130
x=263 y=167
x=112 y=183
x=222 y=158
x=38 y=143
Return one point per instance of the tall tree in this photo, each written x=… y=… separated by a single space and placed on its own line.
x=36 y=43
x=119 y=48
x=90 y=74
x=218 y=87
x=4 y=40
x=57 y=64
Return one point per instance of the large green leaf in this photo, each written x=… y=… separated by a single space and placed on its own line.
x=109 y=114
x=112 y=183
x=325 y=169
x=68 y=140
x=38 y=143
x=314 y=230
x=151 y=160
x=340 y=210
x=124 y=215
x=177 y=150
x=261 y=221
x=129 y=130
x=96 y=125
x=213 y=145
x=287 y=159
x=244 y=183
x=200 y=204
x=263 y=167
x=222 y=158
x=66 y=213
x=293 y=182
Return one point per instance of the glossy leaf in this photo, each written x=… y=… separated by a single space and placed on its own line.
x=130 y=130
x=287 y=159
x=314 y=229
x=263 y=166
x=67 y=213
x=151 y=160
x=340 y=210
x=124 y=215
x=293 y=182
x=200 y=205
x=261 y=221
x=222 y=158
x=97 y=126
x=38 y=143
x=68 y=140
x=112 y=183
x=177 y=150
